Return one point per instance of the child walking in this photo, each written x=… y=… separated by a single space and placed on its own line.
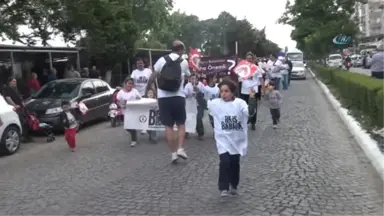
x=230 y=116
x=195 y=103
x=211 y=91
x=70 y=124
x=274 y=100
x=152 y=134
x=128 y=93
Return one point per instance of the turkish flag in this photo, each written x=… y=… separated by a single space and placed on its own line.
x=194 y=59
x=245 y=70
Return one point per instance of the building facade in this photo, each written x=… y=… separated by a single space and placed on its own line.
x=370 y=18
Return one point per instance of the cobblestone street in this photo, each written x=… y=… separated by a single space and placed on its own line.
x=310 y=165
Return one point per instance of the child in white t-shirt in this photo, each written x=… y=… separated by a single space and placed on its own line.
x=230 y=116
x=211 y=91
x=128 y=93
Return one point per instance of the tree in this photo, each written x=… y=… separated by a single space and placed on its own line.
x=317 y=22
x=111 y=27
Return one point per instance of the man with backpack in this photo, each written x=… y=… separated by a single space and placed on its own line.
x=169 y=73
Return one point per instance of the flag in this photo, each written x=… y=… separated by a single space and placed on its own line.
x=245 y=70
x=194 y=59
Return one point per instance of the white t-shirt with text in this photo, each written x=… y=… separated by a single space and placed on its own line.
x=140 y=78
x=230 y=125
x=184 y=72
x=123 y=95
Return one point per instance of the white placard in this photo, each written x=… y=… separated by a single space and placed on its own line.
x=144 y=115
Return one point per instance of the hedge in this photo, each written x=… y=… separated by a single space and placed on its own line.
x=356 y=91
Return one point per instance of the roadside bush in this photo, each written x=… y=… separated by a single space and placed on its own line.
x=357 y=92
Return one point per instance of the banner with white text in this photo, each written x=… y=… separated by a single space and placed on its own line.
x=144 y=115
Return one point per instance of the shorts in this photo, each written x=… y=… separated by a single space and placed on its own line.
x=172 y=111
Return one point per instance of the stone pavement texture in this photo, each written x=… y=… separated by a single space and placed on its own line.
x=309 y=166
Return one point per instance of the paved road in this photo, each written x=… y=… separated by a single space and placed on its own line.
x=309 y=166
x=360 y=71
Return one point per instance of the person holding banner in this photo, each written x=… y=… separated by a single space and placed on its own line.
x=169 y=72
x=140 y=77
x=128 y=93
x=230 y=115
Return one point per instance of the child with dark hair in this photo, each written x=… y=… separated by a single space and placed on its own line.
x=151 y=93
x=211 y=91
x=274 y=100
x=195 y=103
x=128 y=93
x=70 y=124
x=230 y=115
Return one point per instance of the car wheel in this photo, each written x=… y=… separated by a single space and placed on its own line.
x=10 y=141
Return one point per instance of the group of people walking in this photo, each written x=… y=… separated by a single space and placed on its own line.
x=230 y=108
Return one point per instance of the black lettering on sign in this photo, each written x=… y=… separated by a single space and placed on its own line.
x=142 y=80
x=154 y=118
x=231 y=123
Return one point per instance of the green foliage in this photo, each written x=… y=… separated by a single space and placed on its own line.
x=214 y=36
x=111 y=30
x=358 y=92
x=317 y=22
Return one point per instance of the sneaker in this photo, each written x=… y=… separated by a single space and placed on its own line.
x=223 y=195
x=73 y=149
x=234 y=192
x=253 y=127
x=181 y=153
x=175 y=157
x=143 y=132
x=274 y=126
x=133 y=144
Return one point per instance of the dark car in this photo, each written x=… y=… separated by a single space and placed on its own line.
x=94 y=93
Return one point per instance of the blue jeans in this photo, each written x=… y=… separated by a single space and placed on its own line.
x=285 y=81
x=277 y=83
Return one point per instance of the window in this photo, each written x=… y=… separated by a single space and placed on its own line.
x=100 y=86
x=88 y=88
x=63 y=90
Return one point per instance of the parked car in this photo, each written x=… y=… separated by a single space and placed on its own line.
x=335 y=60
x=10 y=128
x=94 y=93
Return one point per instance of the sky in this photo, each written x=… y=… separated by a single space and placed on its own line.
x=260 y=13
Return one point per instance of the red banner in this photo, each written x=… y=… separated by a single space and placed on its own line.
x=194 y=59
x=245 y=70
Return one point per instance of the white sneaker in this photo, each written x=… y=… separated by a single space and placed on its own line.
x=181 y=153
x=274 y=126
x=143 y=132
x=174 y=157
x=133 y=144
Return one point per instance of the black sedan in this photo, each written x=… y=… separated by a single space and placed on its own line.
x=94 y=93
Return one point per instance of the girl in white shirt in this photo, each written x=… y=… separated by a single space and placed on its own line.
x=128 y=93
x=194 y=103
x=230 y=115
x=211 y=91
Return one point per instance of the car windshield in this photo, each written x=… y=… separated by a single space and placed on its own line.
x=64 y=90
x=336 y=57
x=295 y=56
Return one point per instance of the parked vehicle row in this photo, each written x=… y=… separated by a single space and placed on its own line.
x=45 y=105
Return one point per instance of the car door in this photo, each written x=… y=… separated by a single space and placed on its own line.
x=102 y=97
x=91 y=103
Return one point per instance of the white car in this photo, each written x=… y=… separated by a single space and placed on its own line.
x=335 y=60
x=10 y=128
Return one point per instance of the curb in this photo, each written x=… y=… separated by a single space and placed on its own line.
x=369 y=146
